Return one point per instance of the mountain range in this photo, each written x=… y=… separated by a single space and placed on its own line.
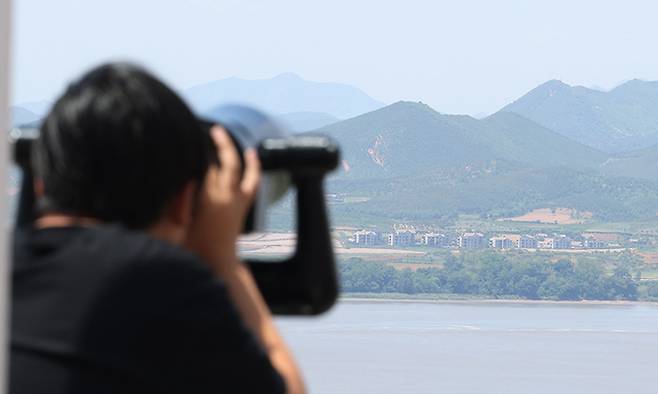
x=299 y=104
x=622 y=119
x=284 y=94
x=405 y=138
x=556 y=146
x=408 y=161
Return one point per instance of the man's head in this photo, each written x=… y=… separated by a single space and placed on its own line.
x=119 y=146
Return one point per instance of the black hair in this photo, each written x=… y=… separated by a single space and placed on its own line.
x=117 y=146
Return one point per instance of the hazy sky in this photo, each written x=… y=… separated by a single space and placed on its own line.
x=463 y=56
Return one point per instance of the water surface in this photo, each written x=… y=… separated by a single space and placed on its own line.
x=471 y=347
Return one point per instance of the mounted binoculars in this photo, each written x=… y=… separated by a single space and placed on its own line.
x=302 y=284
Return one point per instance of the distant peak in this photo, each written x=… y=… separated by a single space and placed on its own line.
x=411 y=104
x=632 y=83
x=548 y=89
x=554 y=83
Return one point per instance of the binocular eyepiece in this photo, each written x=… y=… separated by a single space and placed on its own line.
x=303 y=284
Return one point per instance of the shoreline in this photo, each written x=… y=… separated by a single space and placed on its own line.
x=430 y=299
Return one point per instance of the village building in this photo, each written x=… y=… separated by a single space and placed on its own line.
x=365 y=237
x=472 y=241
x=501 y=242
x=561 y=242
x=436 y=240
x=527 y=242
x=592 y=243
x=401 y=238
x=545 y=243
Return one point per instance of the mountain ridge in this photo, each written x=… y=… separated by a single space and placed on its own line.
x=284 y=93
x=621 y=119
x=409 y=161
x=448 y=140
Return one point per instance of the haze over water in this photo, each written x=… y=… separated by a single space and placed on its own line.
x=478 y=347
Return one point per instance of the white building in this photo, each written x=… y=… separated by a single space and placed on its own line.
x=436 y=239
x=527 y=242
x=545 y=243
x=592 y=243
x=401 y=238
x=501 y=242
x=365 y=237
x=561 y=242
x=472 y=241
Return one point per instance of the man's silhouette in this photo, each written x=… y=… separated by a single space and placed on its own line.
x=128 y=281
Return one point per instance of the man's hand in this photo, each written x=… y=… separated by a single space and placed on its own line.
x=225 y=199
x=224 y=202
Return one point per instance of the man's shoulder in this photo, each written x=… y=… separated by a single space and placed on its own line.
x=104 y=247
x=75 y=267
x=103 y=274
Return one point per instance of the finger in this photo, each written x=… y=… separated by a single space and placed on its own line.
x=252 y=174
x=228 y=157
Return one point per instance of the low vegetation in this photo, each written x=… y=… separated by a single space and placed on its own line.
x=503 y=275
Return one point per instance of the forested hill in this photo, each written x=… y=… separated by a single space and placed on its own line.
x=408 y=161
x=642 y=163
x=409 y=138
x=622 y=119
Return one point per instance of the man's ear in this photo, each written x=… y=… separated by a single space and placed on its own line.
x=181 y=208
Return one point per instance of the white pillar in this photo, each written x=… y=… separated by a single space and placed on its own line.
x=5 y=63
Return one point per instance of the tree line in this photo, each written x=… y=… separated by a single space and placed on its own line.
x=496 y=275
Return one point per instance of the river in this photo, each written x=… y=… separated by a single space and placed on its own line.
x=477 y=347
